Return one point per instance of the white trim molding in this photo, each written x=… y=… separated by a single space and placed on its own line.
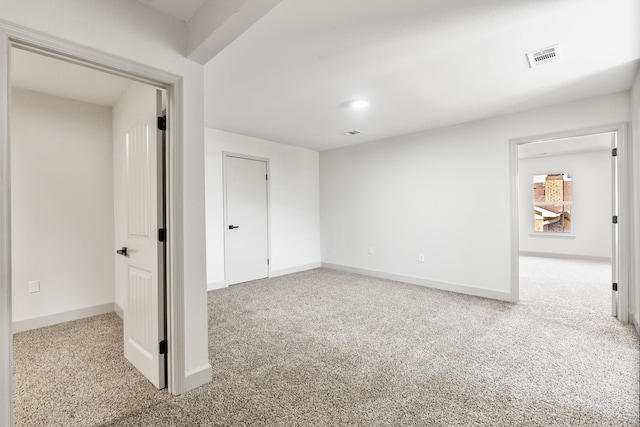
x=295 y=269
x=6 y=334
x=198 y=377
x=216 y=285
x=176 y=371
x=552 y=235
x=565 y=256
x=634 y=321
x=451 y=287
x=67 y=316
x=118 y=310
x=624 y=218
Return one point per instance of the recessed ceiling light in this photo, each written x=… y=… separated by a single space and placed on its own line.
x=359 y=104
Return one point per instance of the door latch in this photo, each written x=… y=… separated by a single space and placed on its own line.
x=122 y=251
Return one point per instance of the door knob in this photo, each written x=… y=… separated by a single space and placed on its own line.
x=231 y=227
x=122 y=251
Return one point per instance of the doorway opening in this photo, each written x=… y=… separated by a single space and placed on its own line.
x=568 y=247
x=10 y=36
x=88 y=176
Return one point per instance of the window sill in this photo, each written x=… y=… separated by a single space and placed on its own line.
x=554 y=235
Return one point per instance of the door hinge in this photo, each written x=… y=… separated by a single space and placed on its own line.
x=266 y=177
x=615 y=287
x=267 y=261
x=615 y=219
x=162 y=123
x=163 y=347
x=162 y=235
x=614 y=152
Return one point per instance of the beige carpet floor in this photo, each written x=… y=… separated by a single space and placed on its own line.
x=327 y=348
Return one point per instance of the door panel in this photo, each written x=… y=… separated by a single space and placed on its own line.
x=140 y=290
x=139 y=180
x=142 y=266
x=246 y=226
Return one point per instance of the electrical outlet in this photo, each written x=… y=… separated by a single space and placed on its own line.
x=420 y=257
x=34 y=286
x=370 y=250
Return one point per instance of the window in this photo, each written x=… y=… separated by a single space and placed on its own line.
x=552 y=203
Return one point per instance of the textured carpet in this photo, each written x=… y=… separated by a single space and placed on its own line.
x=330 y=348
x=75 y=374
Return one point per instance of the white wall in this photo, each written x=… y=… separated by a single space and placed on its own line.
x=444 y=193
x=62 y=205
x=134 y=32
x=634 y=260
x=591 y=206
x=294 y=208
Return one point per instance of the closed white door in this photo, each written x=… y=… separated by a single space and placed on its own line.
x=246 y=220
x=141 y=252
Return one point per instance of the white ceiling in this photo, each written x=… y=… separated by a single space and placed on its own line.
x=55 y=77
x=179 y=9
x=421 y=64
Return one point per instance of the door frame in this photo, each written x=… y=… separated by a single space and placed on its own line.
x=624 y=218
x=14 y=35
x=226 y=154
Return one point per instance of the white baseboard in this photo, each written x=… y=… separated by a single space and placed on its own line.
x=273 y=273
x=54 y=319
x=633 y=319
x=564 y=256
x=216 y=285
x=195 y=378
x=119 y=311
x=296 y=269
x=452 y=287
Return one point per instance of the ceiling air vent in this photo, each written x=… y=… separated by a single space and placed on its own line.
x=353 y=132
x=543 y=56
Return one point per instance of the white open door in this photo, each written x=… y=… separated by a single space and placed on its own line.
x=614 y=225
x=140 y=232
x=246 y=220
